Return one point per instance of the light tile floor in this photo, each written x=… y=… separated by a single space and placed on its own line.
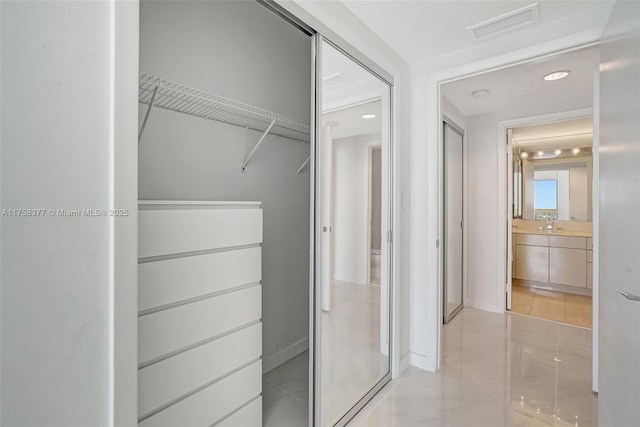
x=497 y=370
x=285 y=394
x=552 y=305
x=351 y=361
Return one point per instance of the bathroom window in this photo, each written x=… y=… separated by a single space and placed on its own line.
x=545 y=199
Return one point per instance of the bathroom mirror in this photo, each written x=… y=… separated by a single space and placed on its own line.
x=552 y=171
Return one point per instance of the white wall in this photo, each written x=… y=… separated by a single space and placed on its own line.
x=242 y=51
x=342 y=22
x=351 y=208
x=55 y=271
x=482 y=201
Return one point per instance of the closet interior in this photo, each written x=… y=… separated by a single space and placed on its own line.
x=224 y=219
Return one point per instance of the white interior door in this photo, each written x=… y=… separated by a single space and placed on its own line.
x=619 y=228
x=453 y=221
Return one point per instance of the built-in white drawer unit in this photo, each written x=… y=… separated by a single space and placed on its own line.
x=199 y=308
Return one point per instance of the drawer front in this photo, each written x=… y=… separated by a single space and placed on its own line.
x=227 y=395
x=167 y=232
x=589 y=256
x=248 y=416
x=532 y=239
x=590 y=275
x=178 y=279
x=568 y=242
x=166 y=331
x=590 y=243
x=532 y=263
x=568 y=266
x=177 y=376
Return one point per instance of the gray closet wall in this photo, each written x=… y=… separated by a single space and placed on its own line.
x=240 y=50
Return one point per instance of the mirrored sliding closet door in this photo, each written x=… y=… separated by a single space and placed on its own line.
x=352 y=236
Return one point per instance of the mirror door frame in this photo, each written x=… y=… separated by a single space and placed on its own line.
x=447 y=317
x=316 y=301
x=319 y=34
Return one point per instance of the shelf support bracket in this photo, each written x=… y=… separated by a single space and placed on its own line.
x=146 y=115
x=255 y=148
x=303 y=165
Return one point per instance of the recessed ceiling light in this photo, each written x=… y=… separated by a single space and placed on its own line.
x=558 y=152
x=556 y=75
x=575 y=150
x=524 y=155
x=369 y=116
x=480 y=93
x=540 y=153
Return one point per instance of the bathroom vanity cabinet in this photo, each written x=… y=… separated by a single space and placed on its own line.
x=553 y=259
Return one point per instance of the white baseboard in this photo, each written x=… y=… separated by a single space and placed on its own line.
x=279 y=357
x=422 y=362
x=484 y=306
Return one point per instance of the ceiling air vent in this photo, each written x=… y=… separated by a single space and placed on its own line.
x=511 y=20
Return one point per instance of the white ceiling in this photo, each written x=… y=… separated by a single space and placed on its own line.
x=345 y=82
x=522 y=85
x=348 y=92
x=348 y=122
x=582 y=125
x=574 y=133
x=422 y=29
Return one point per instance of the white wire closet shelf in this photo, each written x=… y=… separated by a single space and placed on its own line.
x=158 y=92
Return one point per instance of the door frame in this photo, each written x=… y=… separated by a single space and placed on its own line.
x=123 y=311
x=426 y=340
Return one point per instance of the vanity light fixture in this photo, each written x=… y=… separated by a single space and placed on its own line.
x=524 y=155
x=558 y=152
x=480 y=93
x=556 y=75
x=540 y=153
x=369 y=116
x=575 y=150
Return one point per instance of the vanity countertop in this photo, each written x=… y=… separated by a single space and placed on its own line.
x=552 y=233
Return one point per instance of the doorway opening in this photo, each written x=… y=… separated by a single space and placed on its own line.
x=550 y=247
x=375 y=215
x=488 y=104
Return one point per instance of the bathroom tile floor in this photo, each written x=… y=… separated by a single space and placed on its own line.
x=559 y=306
x=497 y=370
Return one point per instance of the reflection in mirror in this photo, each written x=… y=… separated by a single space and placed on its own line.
x=353 y=271
x=552 y=171
x=452 y=218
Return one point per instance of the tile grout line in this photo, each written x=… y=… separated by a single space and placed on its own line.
x=285 y=391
